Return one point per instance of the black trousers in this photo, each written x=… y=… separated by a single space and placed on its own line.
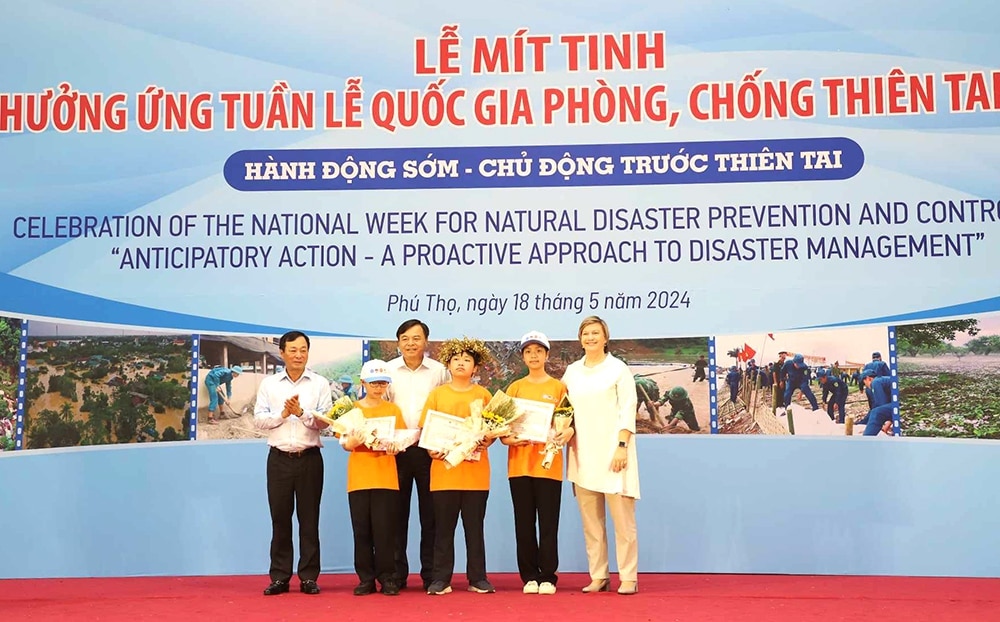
x=537 y=552
x=294 y=483
x=373 y=517
x=413 y=467
x=448 y=505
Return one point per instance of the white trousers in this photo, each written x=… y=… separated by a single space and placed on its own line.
x=595 y=533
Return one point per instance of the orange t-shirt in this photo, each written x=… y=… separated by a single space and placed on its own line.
x=367 y=469
x=527 y=459
x=467 y=475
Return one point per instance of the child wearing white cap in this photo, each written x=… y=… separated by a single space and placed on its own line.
x=536 y=491
x=373 y=490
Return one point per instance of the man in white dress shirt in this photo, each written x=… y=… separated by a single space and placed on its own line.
x=413 y=377
x=287 y=403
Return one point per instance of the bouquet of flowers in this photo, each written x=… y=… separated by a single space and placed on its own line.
x=562 y=418
x=345 y=419
x=499 y=414
x=484 y=422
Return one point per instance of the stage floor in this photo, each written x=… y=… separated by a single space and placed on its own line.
x=667 y=597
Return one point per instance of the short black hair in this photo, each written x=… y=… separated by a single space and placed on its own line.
x=408 y=324
x=477 y=358
x=292 y=335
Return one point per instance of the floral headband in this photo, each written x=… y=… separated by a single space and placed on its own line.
x=475 y=347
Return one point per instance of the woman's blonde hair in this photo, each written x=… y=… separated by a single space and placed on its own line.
x=593 y=319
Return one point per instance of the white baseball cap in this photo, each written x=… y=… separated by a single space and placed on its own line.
x=534 y=337
x=375 y=371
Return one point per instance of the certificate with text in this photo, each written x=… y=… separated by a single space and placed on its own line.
x=534 y=425
x=442 y=432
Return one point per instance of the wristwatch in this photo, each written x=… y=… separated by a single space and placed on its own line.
x=622 y=444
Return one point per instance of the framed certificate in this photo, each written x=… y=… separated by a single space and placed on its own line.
x=442 y=431
x=535 y=423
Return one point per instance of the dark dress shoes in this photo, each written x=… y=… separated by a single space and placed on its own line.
x=276 y=587
x=390 y=588
x=308 y=587
x=364 y=589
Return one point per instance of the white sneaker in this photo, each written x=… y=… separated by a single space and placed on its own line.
x=531 y=587
x=547 y=588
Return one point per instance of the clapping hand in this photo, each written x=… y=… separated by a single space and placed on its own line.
x=292 y=407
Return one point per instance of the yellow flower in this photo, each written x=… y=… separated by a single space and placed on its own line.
x=564 y=408
x=340 y=407
x=493 y=419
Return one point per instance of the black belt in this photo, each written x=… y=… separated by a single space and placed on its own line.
x=296 y=454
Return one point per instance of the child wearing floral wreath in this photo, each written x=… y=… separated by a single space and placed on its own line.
x=463 y=489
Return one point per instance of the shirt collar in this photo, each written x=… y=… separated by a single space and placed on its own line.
x=401 y=363
x=306 y=374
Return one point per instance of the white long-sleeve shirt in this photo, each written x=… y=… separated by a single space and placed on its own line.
x=410 y=387
x=604 y=403
x=293 y=433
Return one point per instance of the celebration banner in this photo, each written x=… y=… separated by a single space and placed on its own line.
x=678 y=170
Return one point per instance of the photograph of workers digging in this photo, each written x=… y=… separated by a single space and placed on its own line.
x=671 y=384
x=231 y=368
x=821 y=382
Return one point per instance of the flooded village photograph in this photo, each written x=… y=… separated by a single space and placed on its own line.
x=91 y=385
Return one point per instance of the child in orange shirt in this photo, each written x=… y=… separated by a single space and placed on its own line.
x=373 y=490
x=464 y=489
x=535 y=491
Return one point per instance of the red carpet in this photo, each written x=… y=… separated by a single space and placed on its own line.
x=661 y=597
